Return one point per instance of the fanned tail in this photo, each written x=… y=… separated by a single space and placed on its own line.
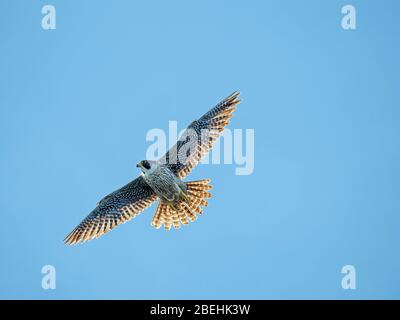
x=197 y=192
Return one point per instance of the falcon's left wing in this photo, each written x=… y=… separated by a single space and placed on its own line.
x=114 y=209
x=199 y=137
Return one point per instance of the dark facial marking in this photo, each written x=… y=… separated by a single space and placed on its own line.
x=146 y=164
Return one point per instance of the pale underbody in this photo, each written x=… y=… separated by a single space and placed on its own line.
x=166 y=185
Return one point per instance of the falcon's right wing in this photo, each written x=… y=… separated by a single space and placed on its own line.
x=114 y=209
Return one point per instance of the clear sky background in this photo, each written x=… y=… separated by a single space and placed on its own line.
x=76 y=104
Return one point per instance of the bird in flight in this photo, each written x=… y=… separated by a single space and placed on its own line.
x=179 y=201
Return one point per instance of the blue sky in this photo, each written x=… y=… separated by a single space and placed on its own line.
x=76 y=104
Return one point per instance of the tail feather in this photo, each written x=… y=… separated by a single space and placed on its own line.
x=175 y=219
x=189 y=212
x=158 y=218
x=168 y=218
x=186 y=210
x=183 y=213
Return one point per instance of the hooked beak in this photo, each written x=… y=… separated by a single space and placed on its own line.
x=139 y=165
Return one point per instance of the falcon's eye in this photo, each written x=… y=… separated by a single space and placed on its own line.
x=146 y=164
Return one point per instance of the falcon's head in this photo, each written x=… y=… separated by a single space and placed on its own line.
x=146 y=166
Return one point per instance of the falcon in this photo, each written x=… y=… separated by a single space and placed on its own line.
x=179 y=201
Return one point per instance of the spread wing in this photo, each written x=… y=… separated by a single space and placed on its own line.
x=199 y=136
x=114 y=209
